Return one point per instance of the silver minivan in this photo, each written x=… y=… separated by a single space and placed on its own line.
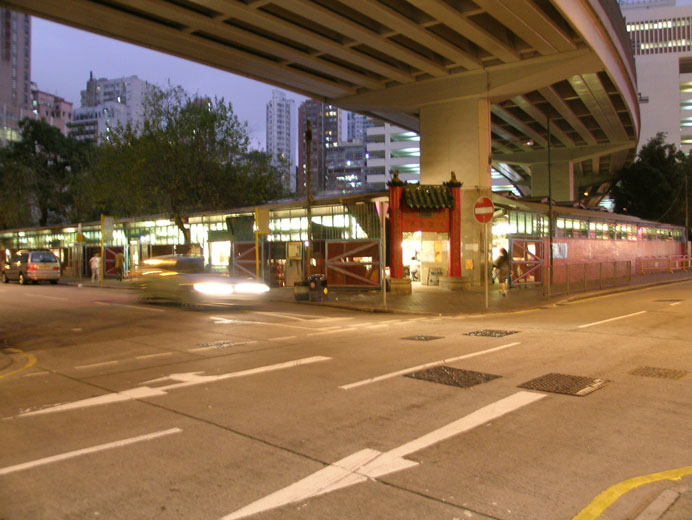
x=32 y=266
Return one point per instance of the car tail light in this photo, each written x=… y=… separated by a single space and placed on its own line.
x=33 y=267
x=56 y=268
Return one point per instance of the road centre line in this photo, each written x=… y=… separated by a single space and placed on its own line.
x=426 y=365
x=86 y=451
x=369 y=464
x=283 y=338
x=610 y=319
x=155 y=355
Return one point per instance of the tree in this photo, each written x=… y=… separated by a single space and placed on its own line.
x=653 y=186
x=190 y=154
x=47 y=161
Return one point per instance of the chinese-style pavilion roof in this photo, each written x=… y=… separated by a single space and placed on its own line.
x=428 y=197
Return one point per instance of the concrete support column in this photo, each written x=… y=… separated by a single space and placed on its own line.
x=562 y=174
x=455 y=137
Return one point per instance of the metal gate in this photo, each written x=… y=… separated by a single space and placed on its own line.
x=245 y=259
x=353 y=263
x=527 y=261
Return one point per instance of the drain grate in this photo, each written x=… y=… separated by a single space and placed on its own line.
x=565 y=384
x=423 y=338
x=491 y=333
x=662 y=373
x=452 y=376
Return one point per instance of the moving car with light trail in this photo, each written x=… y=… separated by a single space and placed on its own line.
x=183 y=279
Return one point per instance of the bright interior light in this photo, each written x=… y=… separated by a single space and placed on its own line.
x=214 y=288
x=251 y=288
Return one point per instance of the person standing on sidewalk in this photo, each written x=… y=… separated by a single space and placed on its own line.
x=120 y=264
x=95 y=266
x=501 y=263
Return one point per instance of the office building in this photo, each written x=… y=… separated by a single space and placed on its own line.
x=661 y=34
x=15 y=72
x=281 y=136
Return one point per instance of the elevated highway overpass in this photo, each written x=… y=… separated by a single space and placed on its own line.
x=478 y=79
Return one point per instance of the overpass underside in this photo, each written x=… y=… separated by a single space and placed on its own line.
x=538 y=88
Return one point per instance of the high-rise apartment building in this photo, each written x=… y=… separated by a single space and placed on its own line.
x=326 y=123
x=106 y=104
x=281 y=138
x=50 y=108
x=357 y=126
x=15 y=72
x=661 y=35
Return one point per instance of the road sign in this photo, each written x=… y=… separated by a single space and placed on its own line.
x=483 y=210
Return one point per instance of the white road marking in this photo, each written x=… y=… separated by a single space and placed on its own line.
x=283 y=339
x=371 y=464
x=303 y=317
x=86 y=451
x=610 y=319
x=674 y=304
x=225 y=321
x=48 y=297
x=34 y=374
x=155 y=355
x=139 y=307
x=426 y=365
x=181 y=381
x=105 y=363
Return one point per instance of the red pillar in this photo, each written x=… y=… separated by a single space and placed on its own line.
x=455 y=233
x=396 y=261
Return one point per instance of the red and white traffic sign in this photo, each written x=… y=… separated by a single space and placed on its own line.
x=483 y=210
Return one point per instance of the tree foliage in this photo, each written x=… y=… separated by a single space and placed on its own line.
x=653 y=186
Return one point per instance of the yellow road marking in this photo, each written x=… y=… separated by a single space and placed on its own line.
x=31 y=362
x=603 y=501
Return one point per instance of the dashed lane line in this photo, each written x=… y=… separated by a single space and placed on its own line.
x=160 y=354
x=610 y=319
x=93 y=365
x=77 y=453
x=426 y=365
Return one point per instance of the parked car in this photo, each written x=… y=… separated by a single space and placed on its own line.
x=183 y=279
x=32 y=266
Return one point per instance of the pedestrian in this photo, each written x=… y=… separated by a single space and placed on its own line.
x=414 y=268
x=120 y=265
x=501 y=265
x=95 y=266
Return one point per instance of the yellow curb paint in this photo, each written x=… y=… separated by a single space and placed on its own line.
x=603 y=501
x=31 y=362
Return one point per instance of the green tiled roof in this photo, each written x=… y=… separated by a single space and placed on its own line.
x=428 y=197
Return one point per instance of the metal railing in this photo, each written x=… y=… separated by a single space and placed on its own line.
x=584 y=277
x=660 y=264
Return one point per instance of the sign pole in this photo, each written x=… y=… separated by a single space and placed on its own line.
x=487 y=266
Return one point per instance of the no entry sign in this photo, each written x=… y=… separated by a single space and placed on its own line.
x=483 y=210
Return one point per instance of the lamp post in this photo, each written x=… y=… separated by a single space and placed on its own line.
x=308 y=187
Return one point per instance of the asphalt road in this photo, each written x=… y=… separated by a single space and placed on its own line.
x=112 y=409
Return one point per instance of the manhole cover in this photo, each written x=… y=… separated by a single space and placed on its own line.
x=423 y=338
x=216 y=344
x=565 y=384
x=452 y=376
x=663 y=373
x=491 y=333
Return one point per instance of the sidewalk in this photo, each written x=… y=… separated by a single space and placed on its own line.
x=431 y=300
